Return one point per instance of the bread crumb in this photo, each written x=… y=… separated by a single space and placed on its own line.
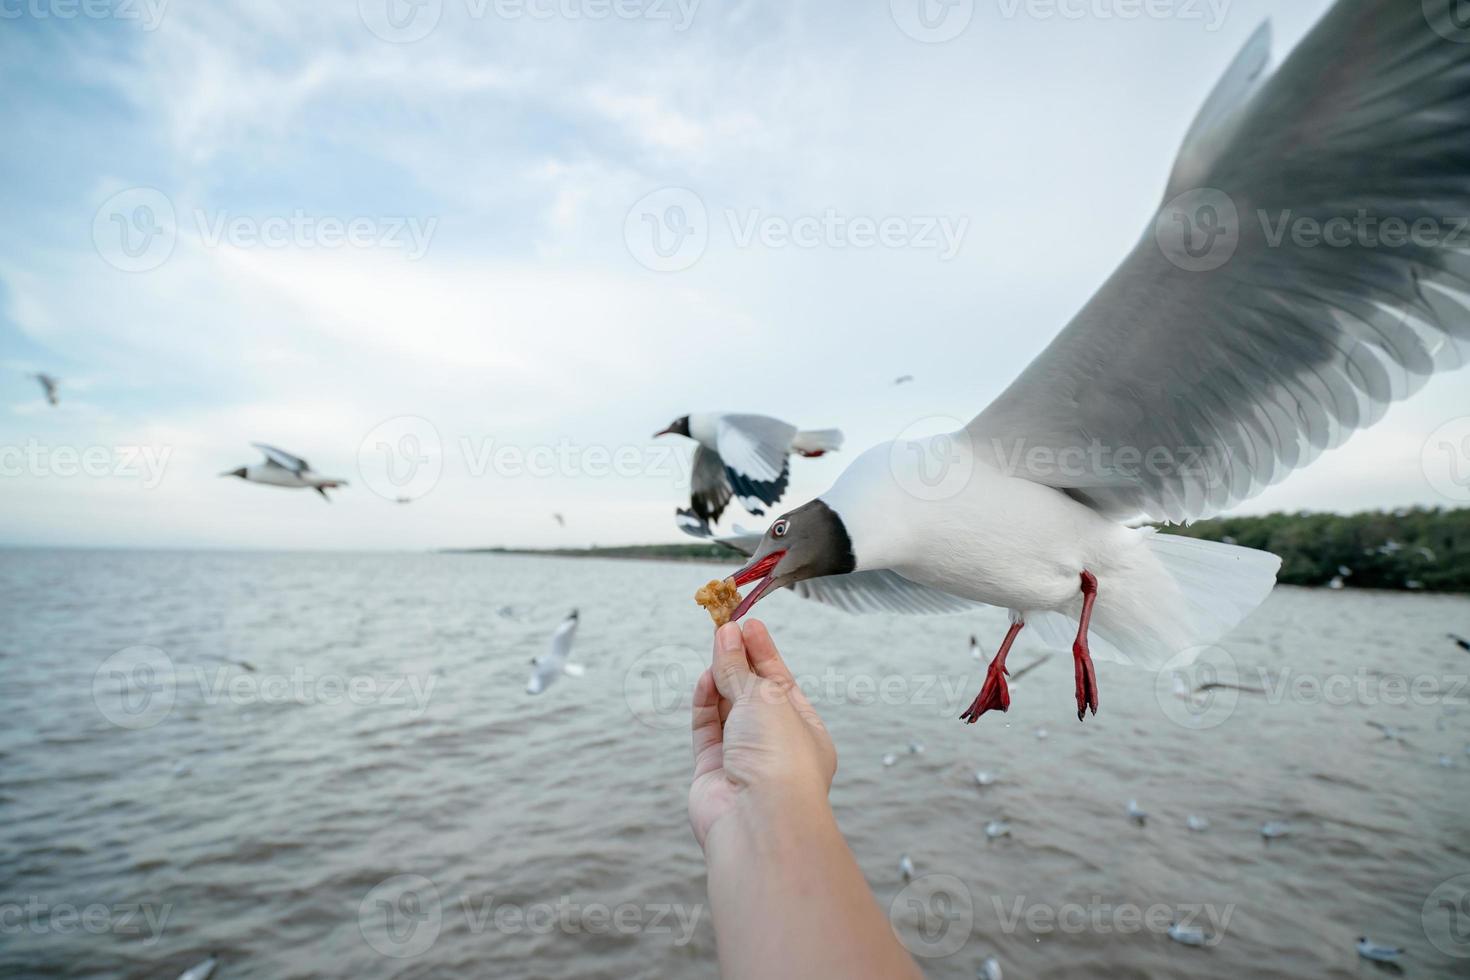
x=719 y=598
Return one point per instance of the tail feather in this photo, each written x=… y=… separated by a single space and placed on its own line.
x=815 y=442
x=1178 y=596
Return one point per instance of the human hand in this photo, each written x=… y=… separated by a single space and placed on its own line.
x=758 y=743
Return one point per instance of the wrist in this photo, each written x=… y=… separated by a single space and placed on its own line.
x=775 y=820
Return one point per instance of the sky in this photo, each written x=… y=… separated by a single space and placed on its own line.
x=475 y=252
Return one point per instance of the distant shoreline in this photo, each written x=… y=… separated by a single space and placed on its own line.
x=1411 y=550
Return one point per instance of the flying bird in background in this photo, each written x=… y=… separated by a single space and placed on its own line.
x=546 y=668
x=281 y=469
x=1216 y=360
x=745 y=456
x=905 y=379
x=49 y=385
x=560 y=520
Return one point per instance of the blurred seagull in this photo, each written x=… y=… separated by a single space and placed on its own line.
x=1258 y=354
x=1273 y=829
x=1197 y=824
x=983 y=778
x=1389 y=731
x=903 y=380
x=1460 y=641
x=546 y=668
x=997 y=828
x=559 y=519
x=906 y=868
x=1136 y=813
x=916 y=748
x=990 y=969
x=1196 y=696
x=975 y=648
x=1187 y=935
x=889 y=760
x=745 y=456
x=202 y=970
x=1369 y=950
x=281 y=469
x=49 y=386
x=1028 y=668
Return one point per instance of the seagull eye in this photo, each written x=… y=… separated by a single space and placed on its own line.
x=778 y=529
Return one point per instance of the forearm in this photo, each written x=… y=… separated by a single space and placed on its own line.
x=789 y=900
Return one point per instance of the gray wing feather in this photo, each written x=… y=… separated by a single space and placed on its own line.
x=1238 y=373
x=882 y=591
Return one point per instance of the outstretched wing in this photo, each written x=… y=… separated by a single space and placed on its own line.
x=283 y=459
x=755 y=450
x=561 y=640
x=1311 y=267
x=709 y=487
x=881 y=591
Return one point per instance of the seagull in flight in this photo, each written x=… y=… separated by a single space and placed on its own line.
x=1461 y=642
x=546 y=668
x=744 y=456
x=281 y=469
x=903 y=380
x=49 y=385
x=1215 y=361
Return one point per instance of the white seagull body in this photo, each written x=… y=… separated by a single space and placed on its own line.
x=281 y=469
x=744 y=456
x=546 y=668
x=1215 y=361
x=1377 y=952
x=202 y=970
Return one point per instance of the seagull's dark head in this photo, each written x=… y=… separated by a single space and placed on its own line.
x=678 y=427
x=240 y=473
x=808 y=542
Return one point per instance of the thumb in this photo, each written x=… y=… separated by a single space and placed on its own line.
x=731 y=669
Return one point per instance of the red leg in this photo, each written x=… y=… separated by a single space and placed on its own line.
x=994 y=695
x=1081 y=656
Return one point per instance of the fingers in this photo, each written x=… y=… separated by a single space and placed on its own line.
x=730 y=668
x=768 y=663
x=707 y=725
x=761 y=651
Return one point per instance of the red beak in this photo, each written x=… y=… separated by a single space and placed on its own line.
x=763 y=570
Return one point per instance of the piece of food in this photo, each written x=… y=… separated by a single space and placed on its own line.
x=719 y=598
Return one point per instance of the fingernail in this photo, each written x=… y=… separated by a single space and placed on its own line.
x=730 y=639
